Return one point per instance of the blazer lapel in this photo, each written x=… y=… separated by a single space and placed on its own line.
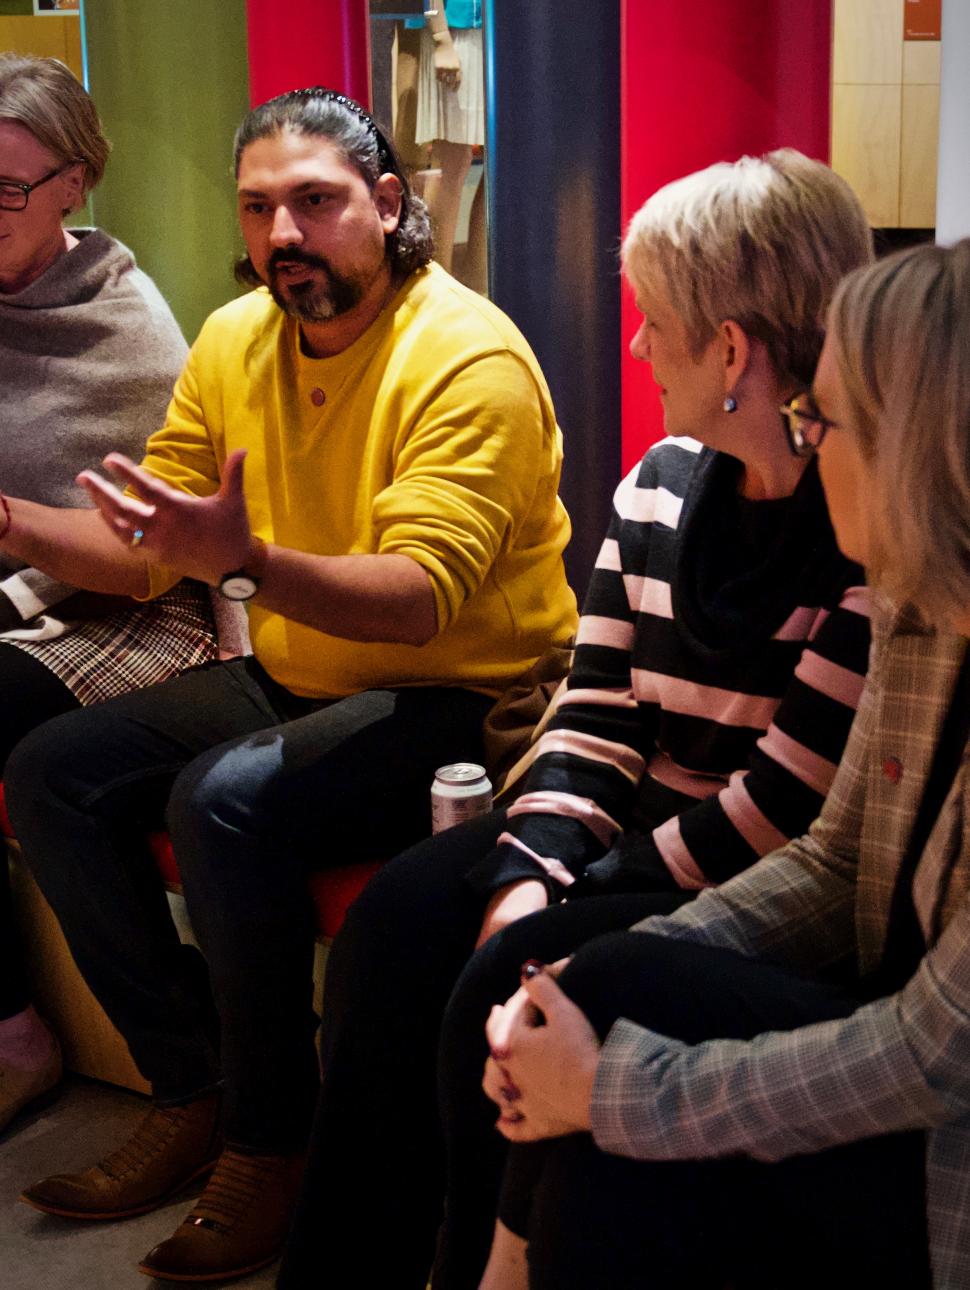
x=917 y=673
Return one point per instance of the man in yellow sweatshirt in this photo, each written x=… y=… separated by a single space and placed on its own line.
x=366 y=453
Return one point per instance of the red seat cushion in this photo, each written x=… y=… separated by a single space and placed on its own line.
x=333 y=890
x=160 y=845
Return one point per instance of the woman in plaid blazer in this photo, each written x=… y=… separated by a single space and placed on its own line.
x=772 y=1085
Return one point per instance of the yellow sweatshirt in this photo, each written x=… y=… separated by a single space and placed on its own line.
x=432 y=436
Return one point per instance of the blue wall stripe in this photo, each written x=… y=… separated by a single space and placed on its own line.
x=553 y=199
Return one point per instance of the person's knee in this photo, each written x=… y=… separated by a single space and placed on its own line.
x=424 y=887
x=389 y=910
x=677 y=987
x=199 y=794
x=548 y=934
x=411 y=928
x=226 y=792
x=53 y=761
x=615 y=970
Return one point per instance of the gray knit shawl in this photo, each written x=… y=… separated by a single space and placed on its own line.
x=89 y=353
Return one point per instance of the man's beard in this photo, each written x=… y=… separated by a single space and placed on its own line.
x=314 y=301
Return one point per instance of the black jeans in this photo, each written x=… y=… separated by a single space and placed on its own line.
x=373 y=1191
x=30 y=694
x=847 y=1217
x=257 y=787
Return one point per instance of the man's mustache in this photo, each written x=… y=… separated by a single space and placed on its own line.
x=292 y=255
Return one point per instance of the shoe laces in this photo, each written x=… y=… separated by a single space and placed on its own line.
x=152 y=1136
x=237 y=1181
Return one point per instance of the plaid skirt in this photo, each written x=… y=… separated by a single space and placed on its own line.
x=132 y=648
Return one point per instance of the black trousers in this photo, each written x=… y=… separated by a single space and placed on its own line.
x=257 y=787
x=373 y=1192
x=849 y=1217
x=30 y=694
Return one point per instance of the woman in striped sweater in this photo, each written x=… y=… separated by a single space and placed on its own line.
x=769 y=1088
x=719 y=661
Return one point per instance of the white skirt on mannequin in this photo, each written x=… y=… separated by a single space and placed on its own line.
x=456 y=115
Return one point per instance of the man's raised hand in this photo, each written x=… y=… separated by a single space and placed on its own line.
x=200 y=537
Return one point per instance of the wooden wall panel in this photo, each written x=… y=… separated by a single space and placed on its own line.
x=918 y=155
x=885 y=112
x=868 y=39
x=47 y=37
x=921 y=62
x=866 y=146
x=91 y=1044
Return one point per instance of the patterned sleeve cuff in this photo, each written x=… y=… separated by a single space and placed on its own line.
x=554 y=869
x=27 y=594
x=506 y=864
x=624 y=1090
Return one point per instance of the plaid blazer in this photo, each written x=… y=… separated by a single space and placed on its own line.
x=901 y=1062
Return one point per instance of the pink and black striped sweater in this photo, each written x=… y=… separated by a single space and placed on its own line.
x=720 y=657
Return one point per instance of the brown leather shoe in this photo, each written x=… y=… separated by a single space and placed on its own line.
x=170 y=1147
x=239 y=1223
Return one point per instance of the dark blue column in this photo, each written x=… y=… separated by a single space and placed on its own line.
x=553 y=171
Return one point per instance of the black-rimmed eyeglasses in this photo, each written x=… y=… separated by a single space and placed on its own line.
x=14 y=196
x=805 y=426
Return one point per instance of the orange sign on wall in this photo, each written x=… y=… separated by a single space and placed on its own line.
x=922 y=19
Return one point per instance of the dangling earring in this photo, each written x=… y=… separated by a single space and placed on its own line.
x=730 y=404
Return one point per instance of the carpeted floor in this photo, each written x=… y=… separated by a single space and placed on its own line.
x=42 y=1253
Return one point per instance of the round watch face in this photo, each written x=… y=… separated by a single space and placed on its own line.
x=238 y=586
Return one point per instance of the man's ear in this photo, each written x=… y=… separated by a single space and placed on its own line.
x=736 y=355
x=389 y=198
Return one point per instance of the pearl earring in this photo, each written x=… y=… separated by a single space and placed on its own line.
x=730 y=404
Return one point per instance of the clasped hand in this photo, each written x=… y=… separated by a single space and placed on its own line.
x=200 y=537
x=543 y=1061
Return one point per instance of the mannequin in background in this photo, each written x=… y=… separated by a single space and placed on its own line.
x=405 y=94
x=451 y=117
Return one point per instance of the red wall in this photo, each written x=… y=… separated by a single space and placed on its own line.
x=295 y=43
x=705 y=81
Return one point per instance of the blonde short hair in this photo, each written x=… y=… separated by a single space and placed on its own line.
x=763 y=240
x=46 y=98
x=900 y=333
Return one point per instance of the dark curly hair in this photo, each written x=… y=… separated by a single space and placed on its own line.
x=333 y=116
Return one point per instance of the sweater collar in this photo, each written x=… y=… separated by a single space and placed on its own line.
x=76 y=276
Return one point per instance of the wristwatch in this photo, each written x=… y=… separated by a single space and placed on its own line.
x=238 y=585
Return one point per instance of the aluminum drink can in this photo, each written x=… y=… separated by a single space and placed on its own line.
x=459 y=793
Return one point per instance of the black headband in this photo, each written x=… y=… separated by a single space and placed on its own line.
x=386 y=158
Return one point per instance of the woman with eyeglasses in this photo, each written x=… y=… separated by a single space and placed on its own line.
x=719 y=663
x=89 y=352
x=770 y=1087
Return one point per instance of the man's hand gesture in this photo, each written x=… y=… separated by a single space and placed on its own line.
x=200 y=537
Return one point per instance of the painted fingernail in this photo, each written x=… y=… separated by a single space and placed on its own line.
x=531 y=968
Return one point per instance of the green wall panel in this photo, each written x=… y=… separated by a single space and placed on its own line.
x=15 y=8
x=170 y=80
